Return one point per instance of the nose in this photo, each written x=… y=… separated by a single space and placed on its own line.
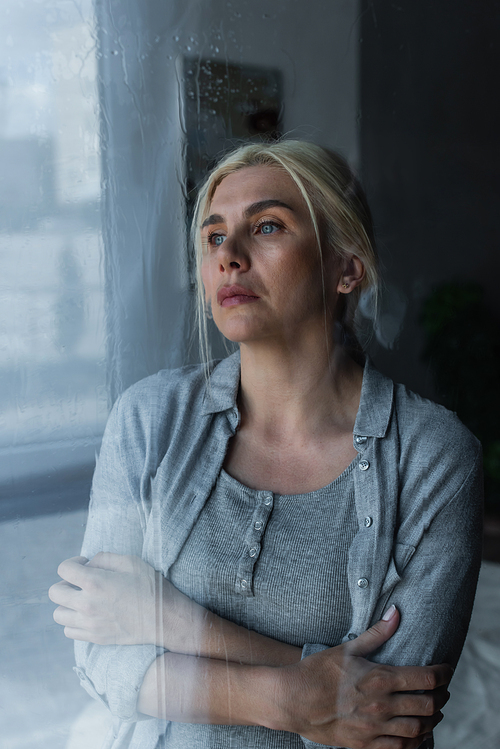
x=232 y=255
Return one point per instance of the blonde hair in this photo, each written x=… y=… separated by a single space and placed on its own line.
x=337 y=206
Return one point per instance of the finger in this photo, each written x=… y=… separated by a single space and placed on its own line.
x=66 y=617
x=64 y=594
x=412 y=727
x=83 y=635
x=75 y=571
x=416 y=678
x=420 y=704
x=374 y=637
x=106 y=560
x=75 y=633
x=395 y=742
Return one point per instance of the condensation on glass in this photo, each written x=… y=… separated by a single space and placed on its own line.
x=53 y=402
x=52 y=396
x=110 y=114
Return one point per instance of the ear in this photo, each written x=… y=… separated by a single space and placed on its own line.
x=352 y=275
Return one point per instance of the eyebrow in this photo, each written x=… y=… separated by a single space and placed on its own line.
x=251 y=210
x=215 y=218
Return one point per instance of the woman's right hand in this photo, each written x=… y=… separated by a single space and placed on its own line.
x=337 y=697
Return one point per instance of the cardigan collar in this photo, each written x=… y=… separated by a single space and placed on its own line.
x=375 y=405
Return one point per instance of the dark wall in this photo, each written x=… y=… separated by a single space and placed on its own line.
x=430 y=154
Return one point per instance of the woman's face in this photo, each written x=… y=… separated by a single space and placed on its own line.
x=261 y=267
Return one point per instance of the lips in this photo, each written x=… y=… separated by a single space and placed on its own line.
x=230 y=295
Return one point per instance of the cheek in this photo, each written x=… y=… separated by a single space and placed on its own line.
x=301 y=274
x=206 y=272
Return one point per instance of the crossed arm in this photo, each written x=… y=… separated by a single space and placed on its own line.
x=221 y=673
x=217 y=672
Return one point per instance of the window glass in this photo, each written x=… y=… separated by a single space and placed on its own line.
x=111 y=114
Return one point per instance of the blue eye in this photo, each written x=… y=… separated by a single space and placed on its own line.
x=268 y=228
x=216 y=239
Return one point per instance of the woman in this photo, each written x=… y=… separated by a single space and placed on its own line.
x=252 y=520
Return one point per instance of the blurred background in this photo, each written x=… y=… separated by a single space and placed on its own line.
x=110 y=114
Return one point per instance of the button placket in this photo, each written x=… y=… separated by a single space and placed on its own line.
x=363 y=575
x=252 y=543
x=363 y=582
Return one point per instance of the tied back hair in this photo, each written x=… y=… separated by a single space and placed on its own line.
x=339 y=213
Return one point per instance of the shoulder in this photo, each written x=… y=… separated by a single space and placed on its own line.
x=425 y=452
x=407 y=421
x=440 y=460
x=162 y=399
x=176 y=399
x=432 y=428
x=163 y=389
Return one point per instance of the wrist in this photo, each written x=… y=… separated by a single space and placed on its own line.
x=267 y=690
x=295 y=701
x=178 y=623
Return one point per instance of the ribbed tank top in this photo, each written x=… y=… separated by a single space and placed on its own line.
x=272 y=563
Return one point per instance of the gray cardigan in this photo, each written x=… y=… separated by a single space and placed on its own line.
x=418 y=493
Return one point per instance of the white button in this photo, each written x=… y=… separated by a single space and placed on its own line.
x=361 y=440
x=268 y=501
x=368 y=521
x=363 y=582
x=351 y=636
x=243 y=584
x=253 y=552
x=363 y=465
x=258 y=525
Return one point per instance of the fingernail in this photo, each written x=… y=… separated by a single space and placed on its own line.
x=389 y=613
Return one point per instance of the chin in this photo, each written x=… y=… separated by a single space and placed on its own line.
x=239 y=331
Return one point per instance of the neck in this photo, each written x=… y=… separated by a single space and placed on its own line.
x=298 y=391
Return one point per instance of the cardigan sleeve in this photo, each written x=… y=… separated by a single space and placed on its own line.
x=435 y=591
x=113 y=674
x=433 y=583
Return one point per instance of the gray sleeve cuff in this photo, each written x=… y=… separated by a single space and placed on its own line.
x=312 y=744
x=113 y=675
x=310 y=649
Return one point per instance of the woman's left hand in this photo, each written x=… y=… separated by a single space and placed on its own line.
x=110 y=600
